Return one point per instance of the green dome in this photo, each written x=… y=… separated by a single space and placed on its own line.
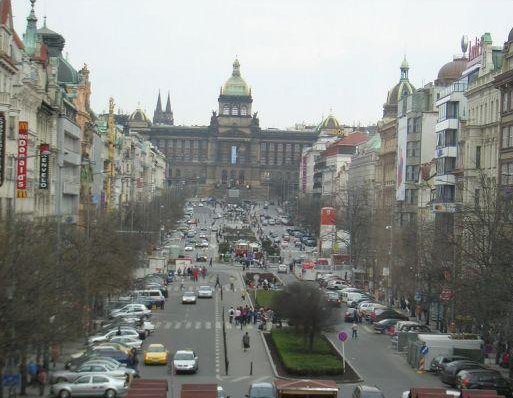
x=235 y=85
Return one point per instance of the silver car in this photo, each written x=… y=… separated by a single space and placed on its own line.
x=70 y=376
x=205 y=291
x=185 y=361
x=189 y=298
x=92 y=386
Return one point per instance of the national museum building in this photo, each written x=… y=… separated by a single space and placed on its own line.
x=232 y=150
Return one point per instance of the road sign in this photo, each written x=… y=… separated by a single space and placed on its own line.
x=446 y=294
x=342 y=336
x=424 y=349
x=418 y=296
x=11 y=379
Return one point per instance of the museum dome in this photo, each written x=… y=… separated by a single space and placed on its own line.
x=510 y=36
x=139 y=116
x=235 y=85
x=451 y=71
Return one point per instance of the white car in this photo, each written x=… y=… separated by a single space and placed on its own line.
x=205 y=291
x=131 y=310
x=115 y=332
x=189 y=298
x=131 y=342
x=185 y=361
x=200 y=205
x=282 y=268
x=188 y=248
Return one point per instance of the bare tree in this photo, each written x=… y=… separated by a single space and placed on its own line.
x=305 y=305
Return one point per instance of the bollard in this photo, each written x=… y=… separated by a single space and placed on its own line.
x=422 y=362
x=251 y=369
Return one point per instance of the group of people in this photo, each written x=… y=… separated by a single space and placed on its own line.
x=242 y=315
x=38 y=376
x=194 y=272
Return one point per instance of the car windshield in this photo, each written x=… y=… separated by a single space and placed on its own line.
x=204 y=288
x=189 y=294
x=262 y=392
x=156 y=348
x=184 y=356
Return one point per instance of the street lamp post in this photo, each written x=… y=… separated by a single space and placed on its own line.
x=390 y=247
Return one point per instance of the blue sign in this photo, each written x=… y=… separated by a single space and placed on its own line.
x=418 y=297
x=424 y=349
x=11 y=380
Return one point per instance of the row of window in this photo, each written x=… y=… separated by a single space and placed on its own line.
x=446 y=138
x=277 y=154
x=449 y=110
x=479 y=114
x=412 y=149
x=184 y=150
x=414 y=125
x=235 y=110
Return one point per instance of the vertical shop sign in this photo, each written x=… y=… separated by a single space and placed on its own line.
x=21 y=167
x=2 y=148
x=44 y=172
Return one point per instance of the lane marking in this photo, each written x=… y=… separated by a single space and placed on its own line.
x=240 y=379
x=188 y=325
x=218 y=325
x=261 y=379
x=198 y=325
x=168 y=325
x=178 y=325
x=208 y=325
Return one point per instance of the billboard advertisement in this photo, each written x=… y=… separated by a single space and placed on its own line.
x=21 y=166
x=401 y=159
x=2 y=148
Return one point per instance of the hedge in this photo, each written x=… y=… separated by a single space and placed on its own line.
x=298 y=361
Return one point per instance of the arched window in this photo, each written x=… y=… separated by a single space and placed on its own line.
x=243 y=111
x=226 y=110
x=235 y=110
x=224 y=176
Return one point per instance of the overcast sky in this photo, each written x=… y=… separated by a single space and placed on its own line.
x=301 y=57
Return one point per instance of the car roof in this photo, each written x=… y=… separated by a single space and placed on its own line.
x=369 y=388
x=184 y=352
x=156 y=345
x=262 y=385
x=486 y=370
x=205 y=287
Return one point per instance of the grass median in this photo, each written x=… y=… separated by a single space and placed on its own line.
x=264 y=298
x=296 y=358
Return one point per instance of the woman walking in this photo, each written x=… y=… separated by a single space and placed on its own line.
x=245 y=342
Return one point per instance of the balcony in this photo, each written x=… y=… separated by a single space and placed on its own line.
x=70 y=187
x=446 y=179
x=446 y=152
x=447 y=124
x=457 y=87
x=448 y=207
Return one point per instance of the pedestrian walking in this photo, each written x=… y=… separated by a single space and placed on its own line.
x=231 y=313
x=243 y=295
x=217 y=281
x=354 y=328
x=210 y=262
x=42 y=379
x=245 y=341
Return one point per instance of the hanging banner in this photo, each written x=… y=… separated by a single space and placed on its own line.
x=44 y=159
x=21 y=167
x=2 y=148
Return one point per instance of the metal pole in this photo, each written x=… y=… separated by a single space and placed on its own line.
x=343 y=357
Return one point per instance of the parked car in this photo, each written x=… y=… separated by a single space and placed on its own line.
x=484 y=379
x=205 y=291
x=349 y=315
x=185 y=361
x=60 y=376
x=438 y=363
x=333 y=299
x=98 y=385
x=261 y=390
x=449 y=374
x=131 y=342
x=362 y=391
x=387 y=313
x=136 y=310
x=121 y=331
x=384 y=325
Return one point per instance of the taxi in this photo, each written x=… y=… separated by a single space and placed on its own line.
x=156 y=354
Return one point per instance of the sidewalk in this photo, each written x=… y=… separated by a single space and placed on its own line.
x=254 y=362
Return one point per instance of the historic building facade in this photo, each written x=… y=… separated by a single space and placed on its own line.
x=232 y=151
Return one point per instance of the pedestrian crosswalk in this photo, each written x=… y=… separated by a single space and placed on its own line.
x=197 y=325
x=193 y=286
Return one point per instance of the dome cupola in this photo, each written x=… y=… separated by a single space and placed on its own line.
x=451 y=71
x=235 y=85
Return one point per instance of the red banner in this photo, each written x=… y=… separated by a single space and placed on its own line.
x=21 y=168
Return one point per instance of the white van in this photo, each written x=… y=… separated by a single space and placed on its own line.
x=353 y=296
x=344 y=292
x=155 y=294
